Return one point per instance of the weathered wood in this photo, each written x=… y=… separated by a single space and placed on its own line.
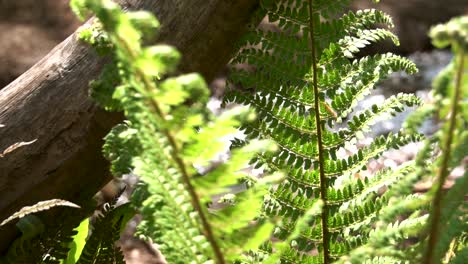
x=50 y=103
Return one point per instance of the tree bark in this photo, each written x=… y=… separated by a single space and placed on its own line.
x=49 y=103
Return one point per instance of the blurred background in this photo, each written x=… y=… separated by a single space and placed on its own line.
x=29 y=29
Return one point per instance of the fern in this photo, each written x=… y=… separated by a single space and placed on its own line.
x=169 y=133
x=48 y=238
x=304 y=82
x=99 y=247
x=43 y=242
x=440 y=154
x=444 y=211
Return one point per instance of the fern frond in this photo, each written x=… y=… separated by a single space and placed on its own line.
x=44 y=242
x=438 y=209
x=169 y=140
x=380 y=241
x=454 y=33
x=454 y=218
x=99 y=247
x=362 y=77
x=303 y=83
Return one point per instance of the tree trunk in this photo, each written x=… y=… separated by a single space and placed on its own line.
x=49 y=103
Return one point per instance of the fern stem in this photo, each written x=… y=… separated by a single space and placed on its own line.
x=149 y=85
x=323 y=185
x=185 y=177
x=443 y=172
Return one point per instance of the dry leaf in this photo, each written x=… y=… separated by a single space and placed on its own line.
x=40 y=206
x=15 y=146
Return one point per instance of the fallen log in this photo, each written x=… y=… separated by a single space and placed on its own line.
x=49 y=103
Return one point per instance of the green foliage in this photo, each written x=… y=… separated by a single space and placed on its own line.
x=78 y=242
x=454 y=33
x=99 y=247
x=168 y=140
x=303 y=82
x=48 y=237
x=435 y=225
x=42 y=242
